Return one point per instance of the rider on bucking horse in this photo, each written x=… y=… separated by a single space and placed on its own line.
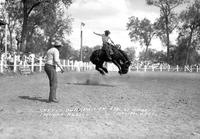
x=106 y=45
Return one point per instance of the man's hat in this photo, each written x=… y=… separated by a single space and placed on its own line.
x=57 y=44
x=107 y=31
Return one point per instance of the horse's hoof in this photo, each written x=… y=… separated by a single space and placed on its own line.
x=102 y=74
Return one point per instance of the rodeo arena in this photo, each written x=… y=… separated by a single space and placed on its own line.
x=116 y=99
x=150 y=101
x=27 y=64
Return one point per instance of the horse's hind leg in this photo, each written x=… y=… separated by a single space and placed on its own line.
x=98 y=68
x=105 y=69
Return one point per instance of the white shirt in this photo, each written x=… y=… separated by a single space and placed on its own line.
x=53 y=56
x=105 y=38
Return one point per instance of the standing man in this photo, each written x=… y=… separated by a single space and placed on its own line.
x=52 y=60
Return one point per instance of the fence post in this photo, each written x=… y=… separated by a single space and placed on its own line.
x=15 y=63
x=72 y=63
x=168 y=68
x=152 y=68
x=32 y=64
x=86 y=66
x=76 y=66
x=40 y=64
x=197 y=68
x=177 y=69
x=68 y=65
x=161 y=67
x=1 y=68
x=91 y=66
x=64 y=63
x=186 y=68
x=24 y=64
x=145 y=68
x=137 y=67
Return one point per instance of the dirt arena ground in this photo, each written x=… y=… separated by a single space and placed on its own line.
x=137 y=105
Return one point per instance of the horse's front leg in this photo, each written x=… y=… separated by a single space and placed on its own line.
x=105 y=69
x=98 y=68
x=118 y=65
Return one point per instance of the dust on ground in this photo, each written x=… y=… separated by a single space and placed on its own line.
x=136 y=105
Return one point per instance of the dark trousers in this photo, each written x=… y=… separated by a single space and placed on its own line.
x=52 y=75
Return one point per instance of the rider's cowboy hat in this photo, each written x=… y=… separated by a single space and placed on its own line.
x=107 y=31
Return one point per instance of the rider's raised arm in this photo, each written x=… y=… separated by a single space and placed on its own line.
x=97 y=34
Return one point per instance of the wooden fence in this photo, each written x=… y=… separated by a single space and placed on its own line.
x=32 y=64
x=167 y=68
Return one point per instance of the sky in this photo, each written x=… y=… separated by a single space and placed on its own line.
x=101 y=15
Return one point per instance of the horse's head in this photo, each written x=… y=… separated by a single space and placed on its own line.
x=125 y=67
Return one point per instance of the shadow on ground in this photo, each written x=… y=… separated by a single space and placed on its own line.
x=92 y=83
x=34 y=98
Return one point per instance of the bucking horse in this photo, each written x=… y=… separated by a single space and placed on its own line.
x=119 y=58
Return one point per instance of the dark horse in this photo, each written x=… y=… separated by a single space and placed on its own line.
x=119 y=58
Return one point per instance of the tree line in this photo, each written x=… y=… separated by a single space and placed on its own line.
x=185 y=23
x=34 y=24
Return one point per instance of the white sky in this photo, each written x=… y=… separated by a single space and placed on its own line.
x=100 y=15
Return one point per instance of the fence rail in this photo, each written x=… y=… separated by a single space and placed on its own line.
x=167 y=68
x=37 y=64
x=32 y=64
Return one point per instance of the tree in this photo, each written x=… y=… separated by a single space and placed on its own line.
x=130 y=52
x=167 y=18
x=75 y=55
x=179 y=54
x=141 y=30
x=86 y=51
x=2 y=35
x=12 y=9
x=37 y=17
x=190 y=28
x=153 y=56
x=66 y=51
x=48 y=28
x=29 y=7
